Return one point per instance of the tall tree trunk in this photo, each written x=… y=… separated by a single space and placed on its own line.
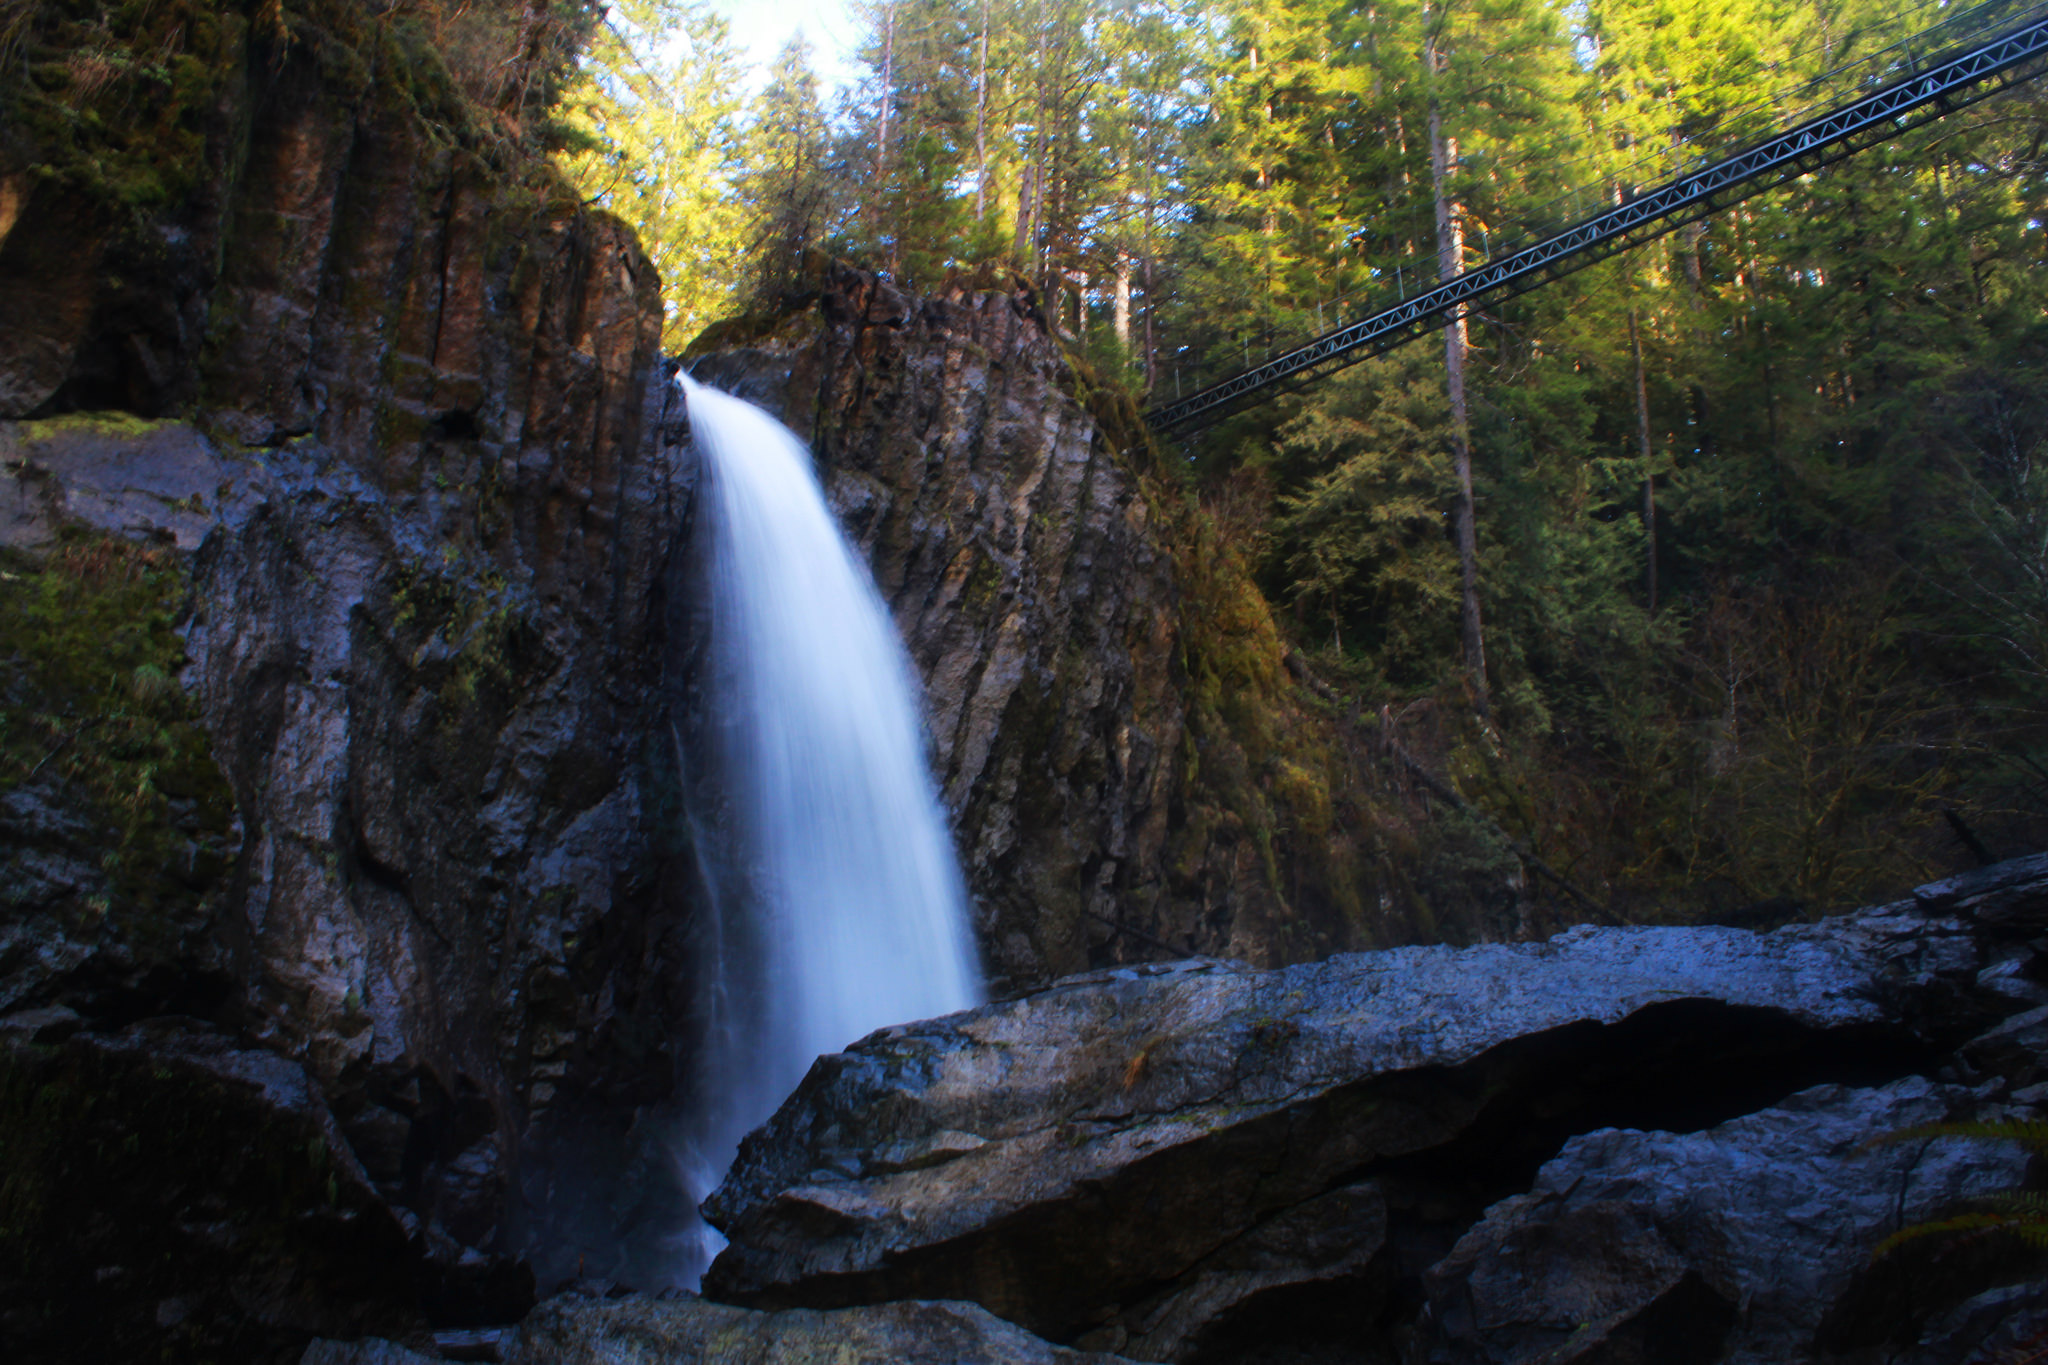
x=1151 y=307
x=1030 y=210
x=1691 y=239
x=1027 y=184
x=882 y=120
x=888 y=94
x=1745 y=248
x=1635 y=346
x=1051 y=188
x=1122 y=304
x=1450 y=255
x=1151 y=338
x=981 y=126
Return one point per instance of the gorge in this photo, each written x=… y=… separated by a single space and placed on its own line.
x=362 y=872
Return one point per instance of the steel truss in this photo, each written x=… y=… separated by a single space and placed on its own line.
x=1947 y=83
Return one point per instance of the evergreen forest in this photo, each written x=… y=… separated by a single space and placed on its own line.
x=1716 y=574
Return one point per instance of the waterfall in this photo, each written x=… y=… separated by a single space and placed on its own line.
x=835 y=904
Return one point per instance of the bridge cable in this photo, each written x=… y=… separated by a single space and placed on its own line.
x=1943 y=85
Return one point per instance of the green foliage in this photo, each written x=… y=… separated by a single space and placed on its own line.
x=789 y=182
x=111 y=101
x=2020 y=1215
x=1825 y=401
x=1281 y=774
x=655 y=113
x=115 y=99
x=89 y=658
x=1362 y=552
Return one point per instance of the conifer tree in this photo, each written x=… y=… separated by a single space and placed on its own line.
x=655 y=101
x=789 y=183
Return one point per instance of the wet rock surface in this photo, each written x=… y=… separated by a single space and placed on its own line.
x=682 y=1329
x=1362 y=1156
x=407 y=435
x=686 y=1330
x=1733 y=1244
x=1017 y=553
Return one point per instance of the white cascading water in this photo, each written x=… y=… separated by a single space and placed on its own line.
x=838 y=906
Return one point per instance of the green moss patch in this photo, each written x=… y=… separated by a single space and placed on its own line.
x=94 y=717
x=119 y=95
x=96 y=423
x=467 y=636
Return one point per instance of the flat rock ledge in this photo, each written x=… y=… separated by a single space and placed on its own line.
x=685 y=1330
x=1198 y=1161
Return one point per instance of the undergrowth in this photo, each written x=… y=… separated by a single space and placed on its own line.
x=1348 y=852
x=93 y=714
x=121 y=104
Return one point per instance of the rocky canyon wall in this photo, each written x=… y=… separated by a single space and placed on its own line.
x=345 y=899
x=1018 y=557
x=376 y=414
x=1132 y=769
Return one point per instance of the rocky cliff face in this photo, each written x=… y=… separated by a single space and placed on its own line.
x=401 y=524
x=1017 y=554
x=1131 y=769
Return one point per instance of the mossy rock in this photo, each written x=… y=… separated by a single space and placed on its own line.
x=178 y=1200
x=120 y=95
x=107 y=767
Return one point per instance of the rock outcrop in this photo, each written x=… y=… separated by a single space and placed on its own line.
x=686 y=1330
x=1131 y=769
x=1017 y=554
x=171 y=1195
x=1740 y=1243
x=1191 y=1161
x=682 y=1329
x=402 y=464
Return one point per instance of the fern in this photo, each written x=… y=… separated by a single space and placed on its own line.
x=2029 y=1133
x=2018 y=1213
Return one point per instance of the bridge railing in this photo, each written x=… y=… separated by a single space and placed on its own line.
x=1409 y=271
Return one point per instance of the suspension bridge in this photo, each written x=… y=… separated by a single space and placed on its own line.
x=1913 y=91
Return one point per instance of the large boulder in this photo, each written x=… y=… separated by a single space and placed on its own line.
x=682 y=1329
x=1148 y=1159
x=1735 y=1244
x=686 y=1330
